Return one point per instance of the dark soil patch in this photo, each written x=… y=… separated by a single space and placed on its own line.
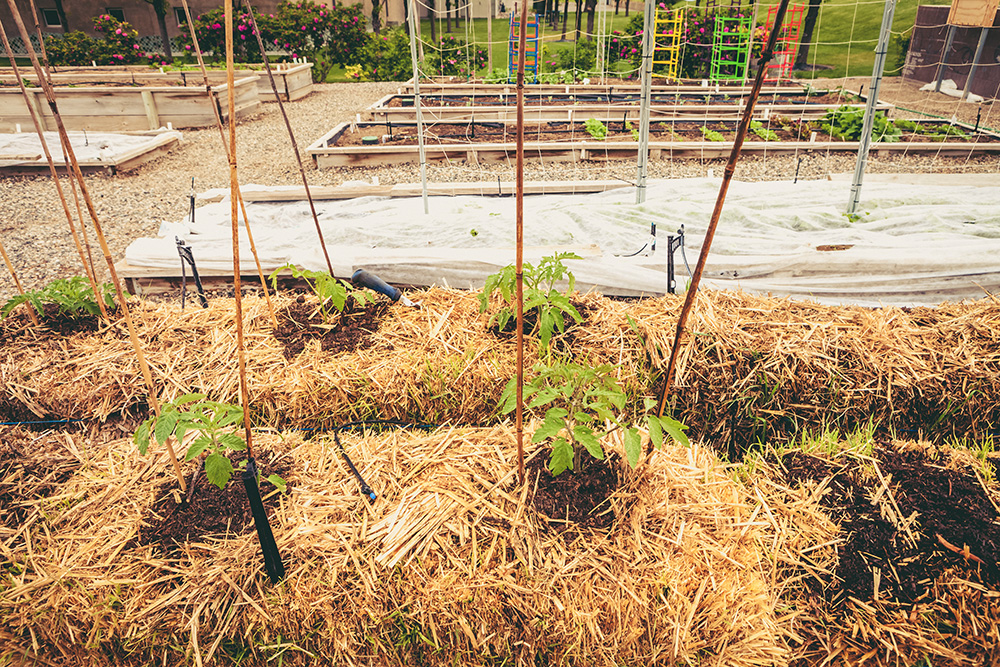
x=212 y=511
x=509 y=330
x=350 y=330
x=52 y=321
x=575 y=497
x=949 y=504
x=31 y=467
x=723 y=98
x=788 y=130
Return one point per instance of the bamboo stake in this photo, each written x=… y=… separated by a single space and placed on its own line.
x=291 y=135
x=17 y=282
x=225 y=146
x=734 y=156
x=234 y=187
x=69 y=172
x=122 y=302
x=519 y=252
x=88 y=270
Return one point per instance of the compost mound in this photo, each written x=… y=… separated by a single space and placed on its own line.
x=172 y=521
x=905 y=548
x=351 y=329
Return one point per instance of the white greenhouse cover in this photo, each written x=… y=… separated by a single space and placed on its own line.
x=912 y=245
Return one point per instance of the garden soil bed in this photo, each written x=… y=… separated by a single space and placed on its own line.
x=349 y=330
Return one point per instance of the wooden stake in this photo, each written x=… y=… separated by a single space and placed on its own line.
x=122 y=302
x=87 y=269
x=234 y=189
x=20 y=290
x=519 y=244
x=225 y=145
x=291 y=135
x=668 y=378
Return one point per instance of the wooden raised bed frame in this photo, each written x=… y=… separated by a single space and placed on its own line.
x=325 y=155
x=161 y=141
x=293 y=80
x=126 y=108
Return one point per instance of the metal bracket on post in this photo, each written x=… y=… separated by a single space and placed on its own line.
x=187 y=256
x=673 y=243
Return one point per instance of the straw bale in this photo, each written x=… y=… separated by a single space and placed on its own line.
x=450 y=565
x=751 y=367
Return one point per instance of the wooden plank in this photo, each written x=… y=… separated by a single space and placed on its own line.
x=150 y=105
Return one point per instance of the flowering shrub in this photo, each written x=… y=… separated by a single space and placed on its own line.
x=454 y=56
x=386 y=56
x=324 y=36
x=211 y=30
x=117 y=46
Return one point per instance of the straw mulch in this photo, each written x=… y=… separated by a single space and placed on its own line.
x=450 y=565
x=954 y=618
x=754 y=367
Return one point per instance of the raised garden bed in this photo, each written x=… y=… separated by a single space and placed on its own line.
x=101 y=152
x=293 y=80
x=696 y=104
x=395 y=143
x=115 y=108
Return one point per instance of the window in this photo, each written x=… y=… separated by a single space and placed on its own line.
x=180 y=17
x=116 y=12
x=51 y=18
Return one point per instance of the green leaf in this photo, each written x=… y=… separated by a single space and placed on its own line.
x=218 y=469
x=586 y=437
x=675 y=429
x=232 y=441
x=553 y=423
x=165 y=426
x=278 y=482
x=544 y=396
x=141 y=437
x=188 y=398
x=197 y=447
x=655 y=431
x=583 y=417
x=633 y=446
x=561 y=457
x=508 y=397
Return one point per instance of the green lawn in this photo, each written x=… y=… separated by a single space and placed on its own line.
x=845 y=37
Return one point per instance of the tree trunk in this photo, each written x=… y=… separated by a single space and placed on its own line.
x=565 y=18
x=161 y=19
x=432 y=11
x=579 y=17
x=626 y=8
x=812 y=15
x=591 y=12
x=617 y=2
x=62 y=15
x=447 y=15
x=376 y=17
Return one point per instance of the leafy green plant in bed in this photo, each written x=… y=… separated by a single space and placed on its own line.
x=540 y=295
x=73 y=296
x=711 y=135
x=216 y=424
x=332 y=292
x=847 y=123
x=764 y=133
x=582 y=405
x=595 y=128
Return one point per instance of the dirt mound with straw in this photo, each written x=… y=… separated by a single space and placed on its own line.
x=754 y=368
x=451 y=564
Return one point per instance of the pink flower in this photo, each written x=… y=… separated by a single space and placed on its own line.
x=243 y=37
x=303 y=27
x=286 y=45
x=216 y=26
x=118 y=31
x=188 y=47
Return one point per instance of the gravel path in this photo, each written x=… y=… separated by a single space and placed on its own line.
x=33 y=227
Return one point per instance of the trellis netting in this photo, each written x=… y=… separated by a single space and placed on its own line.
x=907 y=245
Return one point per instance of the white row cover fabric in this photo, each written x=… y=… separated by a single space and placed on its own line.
x=89 y=147
x=911 y=245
